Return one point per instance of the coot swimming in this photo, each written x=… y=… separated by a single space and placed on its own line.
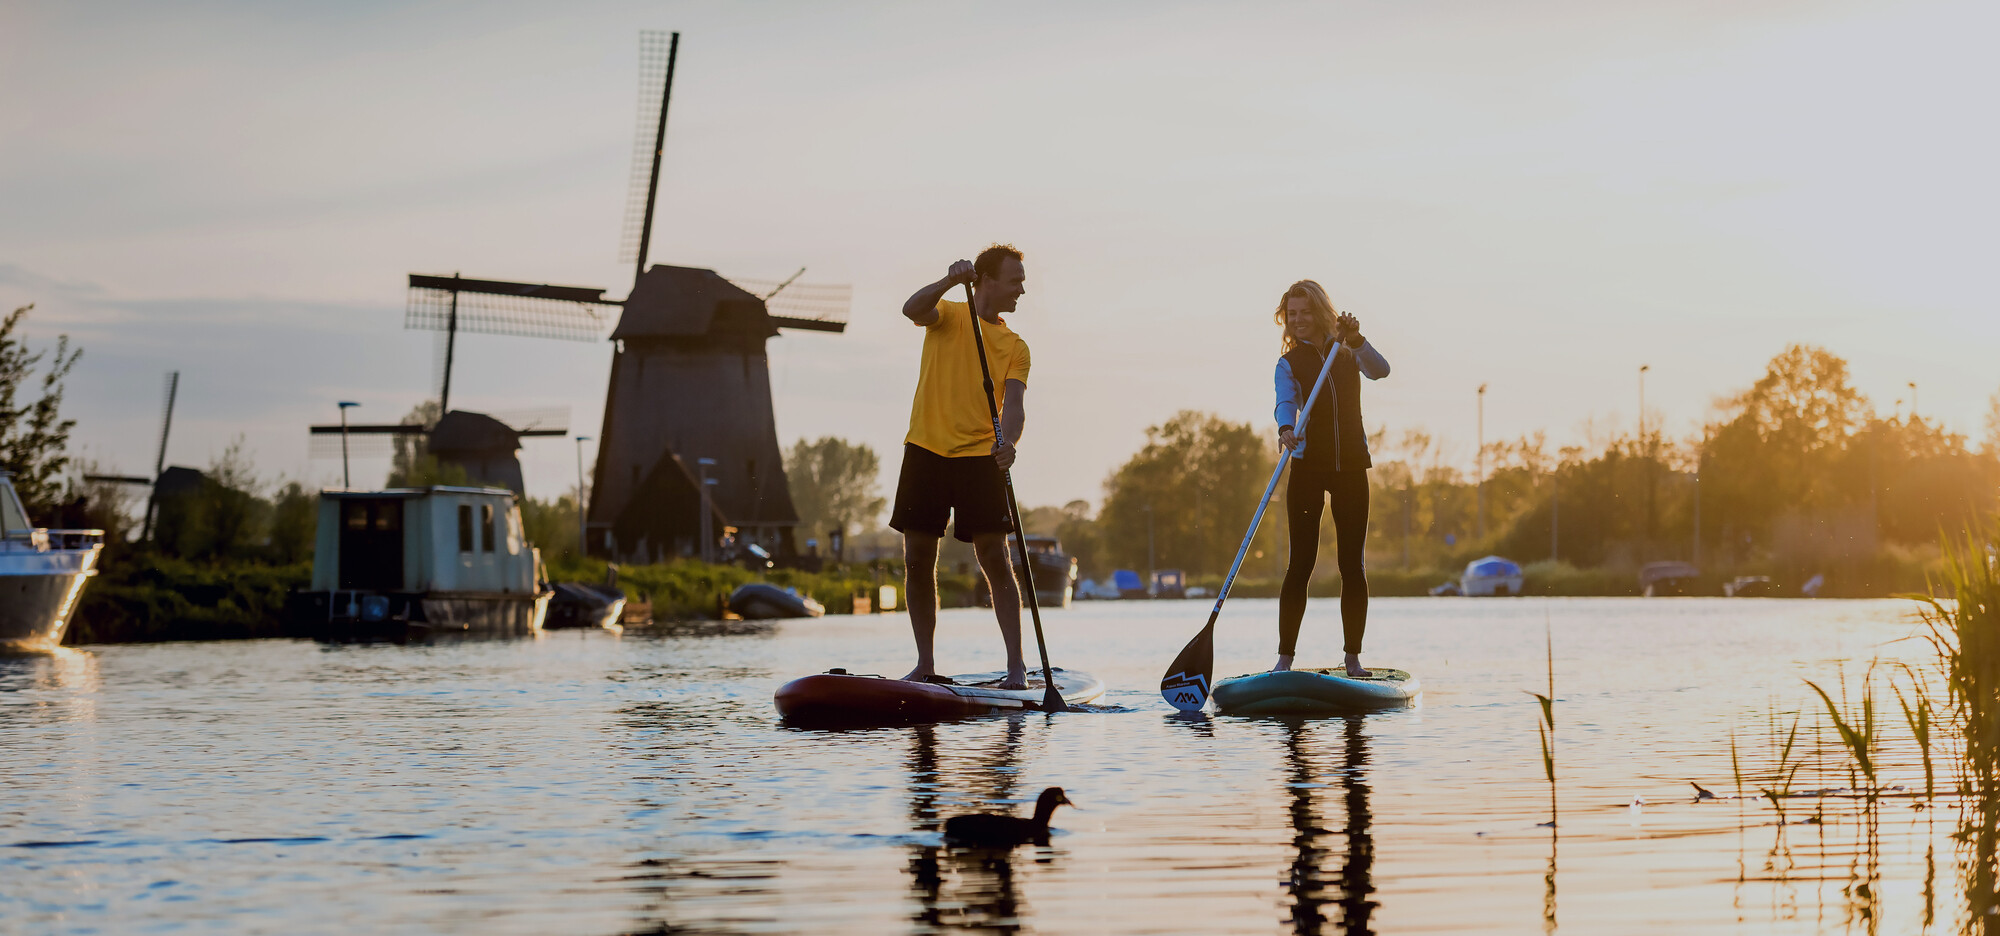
x=991 y=831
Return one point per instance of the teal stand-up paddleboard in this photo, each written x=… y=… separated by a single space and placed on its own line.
x=1316 y=692
x=1186 y=685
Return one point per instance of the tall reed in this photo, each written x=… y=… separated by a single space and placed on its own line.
x=1920 y=718
x=1966 y=635
x=1546 y=728
x=1856 y=727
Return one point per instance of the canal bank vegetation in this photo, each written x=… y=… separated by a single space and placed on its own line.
x=1795 y=476
x=1843 y=756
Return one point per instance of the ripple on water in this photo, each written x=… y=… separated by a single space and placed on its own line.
x=644 y=783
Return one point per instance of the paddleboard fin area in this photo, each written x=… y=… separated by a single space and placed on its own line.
x=837 y=698
x=1316 y=692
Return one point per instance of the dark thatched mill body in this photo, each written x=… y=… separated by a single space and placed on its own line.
x=690 y=381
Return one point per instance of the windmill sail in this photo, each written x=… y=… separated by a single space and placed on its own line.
x=497 y=307
x=657 y=51
x=807 y=306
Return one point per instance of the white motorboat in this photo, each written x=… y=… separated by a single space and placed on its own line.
x=42 y=575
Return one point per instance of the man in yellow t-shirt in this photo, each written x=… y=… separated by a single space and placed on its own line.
x=951 y=462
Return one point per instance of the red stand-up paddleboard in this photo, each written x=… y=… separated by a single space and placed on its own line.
x=837 y=696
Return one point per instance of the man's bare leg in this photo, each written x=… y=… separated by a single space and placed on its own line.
x=998 y=568
x=920 y=554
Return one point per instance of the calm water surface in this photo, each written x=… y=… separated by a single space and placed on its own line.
x=586 y=783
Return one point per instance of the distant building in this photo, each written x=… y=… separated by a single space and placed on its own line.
x=488 y=449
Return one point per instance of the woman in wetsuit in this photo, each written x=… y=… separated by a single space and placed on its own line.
x=1329 y=462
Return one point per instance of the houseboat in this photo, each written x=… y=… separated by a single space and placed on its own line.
x=42 y=574
x=415 y=563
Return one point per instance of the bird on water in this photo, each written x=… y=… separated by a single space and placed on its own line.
x=987 y=829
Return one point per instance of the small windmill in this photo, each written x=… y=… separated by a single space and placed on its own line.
x=159 y=463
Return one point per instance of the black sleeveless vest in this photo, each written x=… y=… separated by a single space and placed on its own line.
x=1335 y=439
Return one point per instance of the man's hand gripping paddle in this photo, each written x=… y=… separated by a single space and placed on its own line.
x=1052 y=700
x=1188 y=680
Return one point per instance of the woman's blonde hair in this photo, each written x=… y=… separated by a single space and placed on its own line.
x=1317 y=303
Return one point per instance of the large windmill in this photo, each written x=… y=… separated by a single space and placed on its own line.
x=688 y=411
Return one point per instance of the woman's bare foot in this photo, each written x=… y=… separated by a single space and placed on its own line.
x=1016 y=679
x=1284 y=663
x=1354 y=667
x=921 y=674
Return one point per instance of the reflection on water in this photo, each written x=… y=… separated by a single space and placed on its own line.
x=592 y=784
x=1349 y=887
x=956 y=887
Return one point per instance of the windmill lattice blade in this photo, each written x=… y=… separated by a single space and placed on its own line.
x=826 y=302
x=490 y=313
x=359 y=445
x=653 y=45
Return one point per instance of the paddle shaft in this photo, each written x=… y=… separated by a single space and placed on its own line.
x=1051 y=699
x=1299 y=435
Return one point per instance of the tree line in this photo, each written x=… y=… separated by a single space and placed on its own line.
x=1797 y=472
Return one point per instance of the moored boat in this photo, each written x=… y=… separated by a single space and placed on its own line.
x=42 y=574
x=1491 y=576
x=585 y=605
x=763 y=601
x=416 y=563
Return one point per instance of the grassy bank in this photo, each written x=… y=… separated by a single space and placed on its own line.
x=142 y=597
x=690 y=589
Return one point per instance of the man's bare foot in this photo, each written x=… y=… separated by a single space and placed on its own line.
x=1284 y=663
x=1354 y=667
x=1017 y=678
x=921 y=674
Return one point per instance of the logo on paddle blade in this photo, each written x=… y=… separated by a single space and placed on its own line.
x=1185 y=692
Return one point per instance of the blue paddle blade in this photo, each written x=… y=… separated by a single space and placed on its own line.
x=1185 y=686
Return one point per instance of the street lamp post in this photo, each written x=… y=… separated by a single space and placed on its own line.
x=1149 y=549
x=1481 y=461
x=346 y=481
x=582 y=536
x=1647 y=467
x=707 y=521
x=1643 y=368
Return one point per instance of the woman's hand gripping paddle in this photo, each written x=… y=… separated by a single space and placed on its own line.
x=1052 y=700
x=1186 y=684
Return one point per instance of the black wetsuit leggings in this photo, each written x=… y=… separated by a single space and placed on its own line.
x=1306 y=494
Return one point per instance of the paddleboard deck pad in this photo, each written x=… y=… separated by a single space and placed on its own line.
x=837 y=696
x=1315 y=692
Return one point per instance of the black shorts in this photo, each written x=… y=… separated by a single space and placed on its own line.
x=933 y=488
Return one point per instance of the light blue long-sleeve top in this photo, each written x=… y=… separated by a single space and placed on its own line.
x=1292 y=390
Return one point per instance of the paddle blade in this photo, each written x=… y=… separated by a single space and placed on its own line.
x=1185 y=686
x=1052 y=701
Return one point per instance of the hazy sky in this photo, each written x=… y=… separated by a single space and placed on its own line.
x=1536 y=196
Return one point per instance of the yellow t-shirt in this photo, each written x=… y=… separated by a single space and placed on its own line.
x=949 y=415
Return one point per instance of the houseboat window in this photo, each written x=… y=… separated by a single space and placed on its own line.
x=465 y=528
x=485 y=527
x=382 y=515
x=513 y=531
